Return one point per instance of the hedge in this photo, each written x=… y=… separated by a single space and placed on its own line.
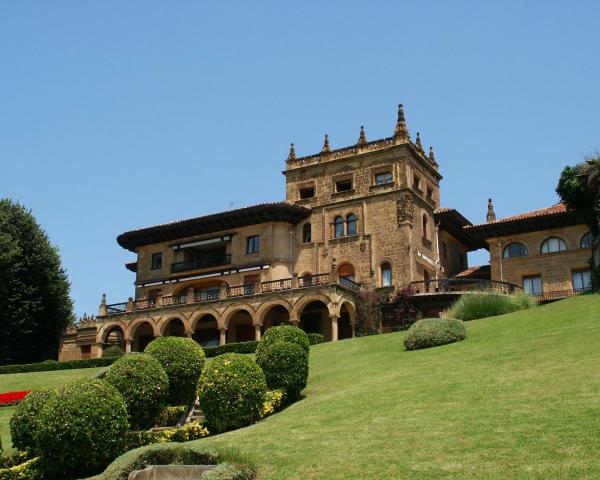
x=231 y=391
x=315 y=338
x=241 y=347
x=81 y=429
x=49 y=365
x=230 y=465
x=472 y=306
x=186 y=433
x=143 y=383
x=112 y=351
x=432 y=332
x=183 y=360
x=285 y=366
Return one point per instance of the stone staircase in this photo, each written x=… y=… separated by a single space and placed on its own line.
x=192 y=415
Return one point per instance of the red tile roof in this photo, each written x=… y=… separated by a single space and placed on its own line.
x=559 y=208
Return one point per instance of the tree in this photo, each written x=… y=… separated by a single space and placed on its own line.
x=368 y=313
x=35 y=306
x=579 y=189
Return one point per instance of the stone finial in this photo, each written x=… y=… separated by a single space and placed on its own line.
x=292 y=155
x=419 y=144
x=401 y=133
x=362 y=138
x=326 y=148
x=491 y=215
x=103 y=299
x=102 y=310
x=431 y=155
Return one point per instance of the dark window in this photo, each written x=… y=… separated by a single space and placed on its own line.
x=417 y=182
x=383 y=178
x=307 y=192
x=586 y=240
x=338 y=223
x=343 y=185
x=553 y=244
x=514 y=249
x=533 y=285
x=425 y=232
x=351 y=221
x=430 y=193
x=252 y=244
x=156 y=263
x=386 y=275
x=306 y=233
x=445 y=250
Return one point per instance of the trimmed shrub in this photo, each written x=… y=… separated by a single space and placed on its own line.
x=240 y=347
x=285 y=366
x=186 y=433
x=25 y=420
x=143 y=383
x=272 y=403
x=183 y=360
x=315 y=338
x=488 y=304
x=81 y=429
x=28 y=470
x=283 y=333
x=49 y=365
x=170 y=416
x=231 y=391
x=432 y=332
x=113 y=351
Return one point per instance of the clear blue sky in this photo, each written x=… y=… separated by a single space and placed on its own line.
x=119 y=115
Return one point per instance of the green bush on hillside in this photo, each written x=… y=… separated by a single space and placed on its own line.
x=81 y=429
x=183 y=360
x=143 y=383
x=283 y=333
x=231 y=391
x=285 y=366
x=237 y=347
x=315 y=338
x=481 y=305
x=25 y=420
x=49 y=365
x=432 y=332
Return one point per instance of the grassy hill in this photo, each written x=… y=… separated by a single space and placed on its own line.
x=29 y=381
x=520 y=398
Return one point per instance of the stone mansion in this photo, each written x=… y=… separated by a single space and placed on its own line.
x=366 y=215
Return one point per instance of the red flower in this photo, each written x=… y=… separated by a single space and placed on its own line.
x=13 y=397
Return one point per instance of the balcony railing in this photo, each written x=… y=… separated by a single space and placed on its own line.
x=201 y=262
x=214 y=294
x=559 y=294
x=450 y=285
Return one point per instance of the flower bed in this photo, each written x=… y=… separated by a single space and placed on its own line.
x=11 y=398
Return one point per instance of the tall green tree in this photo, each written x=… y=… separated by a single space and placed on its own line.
x=35 y=306
x=579 y=189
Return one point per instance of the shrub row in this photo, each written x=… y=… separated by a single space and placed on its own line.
x=48 y=365
x=482 y=305
x=315 y=338
x=140 y=438
x=241 y=347
x=432 y=332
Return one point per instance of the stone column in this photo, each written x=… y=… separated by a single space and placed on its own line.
x=333 y=275
x=98 y=346
x=334 y=327
x=257 y=333
x=189 y=334
x=223 y=291
x=190 y=295
x=128 y=346
x=222 y=337
x=295 y=280
x=129 y=307
x=294 y=322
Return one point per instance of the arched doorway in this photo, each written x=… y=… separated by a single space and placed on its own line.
x=114 y=336
x=314 y=318
x=142 y=336
x=276 y=315
x=206 y=331
x=240 y=328
x=345 y=323
x=174 y=328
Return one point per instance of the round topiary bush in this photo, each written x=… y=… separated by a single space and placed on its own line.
x=143 y=383
x=25 y=419
x=231 y=391
x=283 y=333
x=81 y=429
x=285 y=366
x=183 y=360
x=112 y=351
x=432 y=332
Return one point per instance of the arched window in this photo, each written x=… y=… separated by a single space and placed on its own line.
x=386 y=275
x=338 y=223
x=351 y=221
x=306 y=233
x=425 y=233
x=346 y=271
x=586 y=240
x=514 y=249
x=553 y=244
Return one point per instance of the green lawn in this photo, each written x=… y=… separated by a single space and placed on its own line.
x=520 y=398
x=30 y=381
